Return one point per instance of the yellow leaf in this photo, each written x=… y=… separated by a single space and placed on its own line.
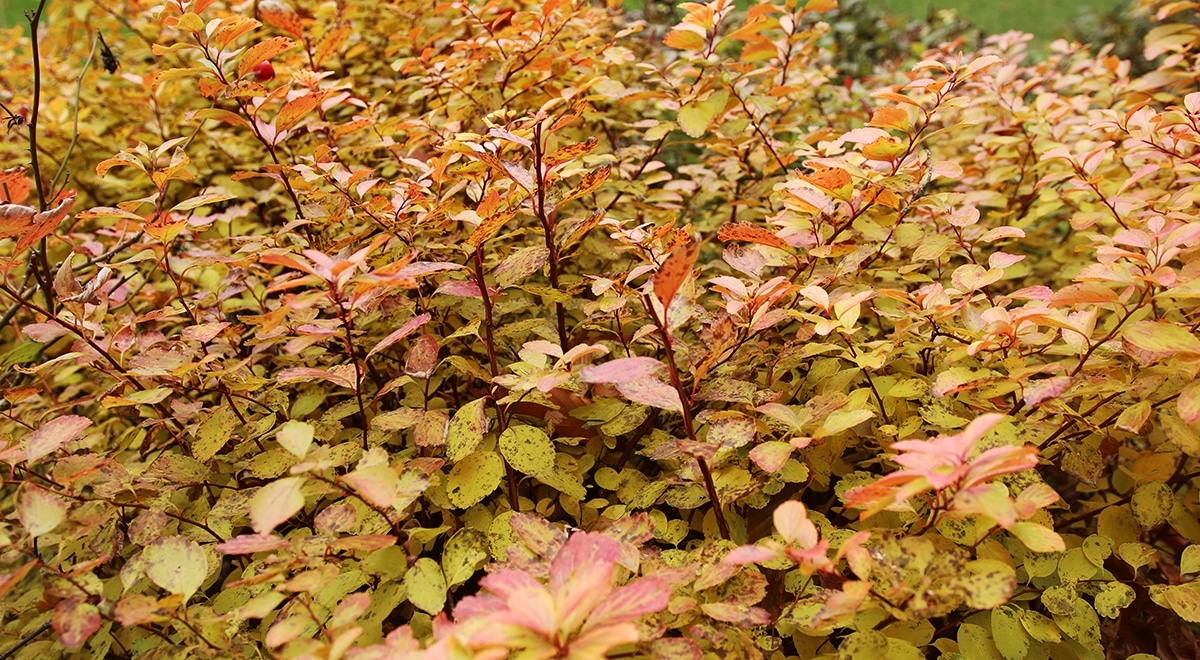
x=682 y=39
x=695 y=117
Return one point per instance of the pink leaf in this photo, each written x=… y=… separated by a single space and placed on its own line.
x=750 y=554
x=400 y=333
x=651 y=392
x=636 y=599
x=791 y=519
x=53 y=435
x=275 y=503
x=75 y=620
x=622 y=370
x=248 y=544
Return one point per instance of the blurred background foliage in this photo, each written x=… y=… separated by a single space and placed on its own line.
x=874 y=32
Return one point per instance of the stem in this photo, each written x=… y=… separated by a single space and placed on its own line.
x=686 y=410
x=490 y=342
x=42 y=262
x=548 y=230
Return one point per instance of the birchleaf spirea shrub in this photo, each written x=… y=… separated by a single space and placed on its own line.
x=419 y=330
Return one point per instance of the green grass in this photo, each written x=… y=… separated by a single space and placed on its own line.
x=1045 y=18
x=12 y=12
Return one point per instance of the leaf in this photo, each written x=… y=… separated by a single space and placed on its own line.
x=275 y=503
x=39 y=511
x=295 y=436
x=377 y=484
x=1008 y=634
x=1113 y=597
x=1161 y=337
x=1152 y=503
x=674 y=272
x=1189 y=561
x=75 y=620
x=248 y=544
x=261 y=52
x=694 y=118
x=463 y=554
x=488 y=228
x=621 y=370
x=399 y=333
x=1189 y=403
x=587 y=185
x=426 y=586
x=39 y=226
x=683 y=39
x=571 y=152
x=466 y=430
x=331 y=42
x=745 y=231
x=1183 y=599
x=527 y=449
x=639 y=598
x=53 y=435
x=474 y=478
x=294 y=110
x=651 y=392
x=771 y=456
x=176 y=564
x=422 y=357
x=1037 y=538
x=521 y=264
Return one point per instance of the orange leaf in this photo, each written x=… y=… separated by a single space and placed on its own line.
x=744 y=231
x=488 y=228
x=588 y=184
x=31 y=225
x=294 y=110
x=571 y=152
x=331 y=42
x=891 y=117
x=262 y=52
x=675 y=271
x=684 y=40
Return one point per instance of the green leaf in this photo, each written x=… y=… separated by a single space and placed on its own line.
x=1113 y=597
x=474 y=478
x=466 y=430
x=426 y=586
x=1161 y=337
x=1008 y=634
x=176 y=564
x=1189 y=561
x=1037 y=537
x=528 y=450
x=295 y=436
x=1152 y=503
x=463 y=555
x=695 y=117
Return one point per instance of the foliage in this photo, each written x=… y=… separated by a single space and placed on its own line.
x=528 y=330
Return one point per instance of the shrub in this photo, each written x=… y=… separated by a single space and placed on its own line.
x=530 y=330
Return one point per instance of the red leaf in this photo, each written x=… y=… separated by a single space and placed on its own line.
x=675 y=271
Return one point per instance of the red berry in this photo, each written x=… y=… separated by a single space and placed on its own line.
x=263 y=71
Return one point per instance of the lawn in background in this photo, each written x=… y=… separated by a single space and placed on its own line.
x=12 y=12
x=1045 y=19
